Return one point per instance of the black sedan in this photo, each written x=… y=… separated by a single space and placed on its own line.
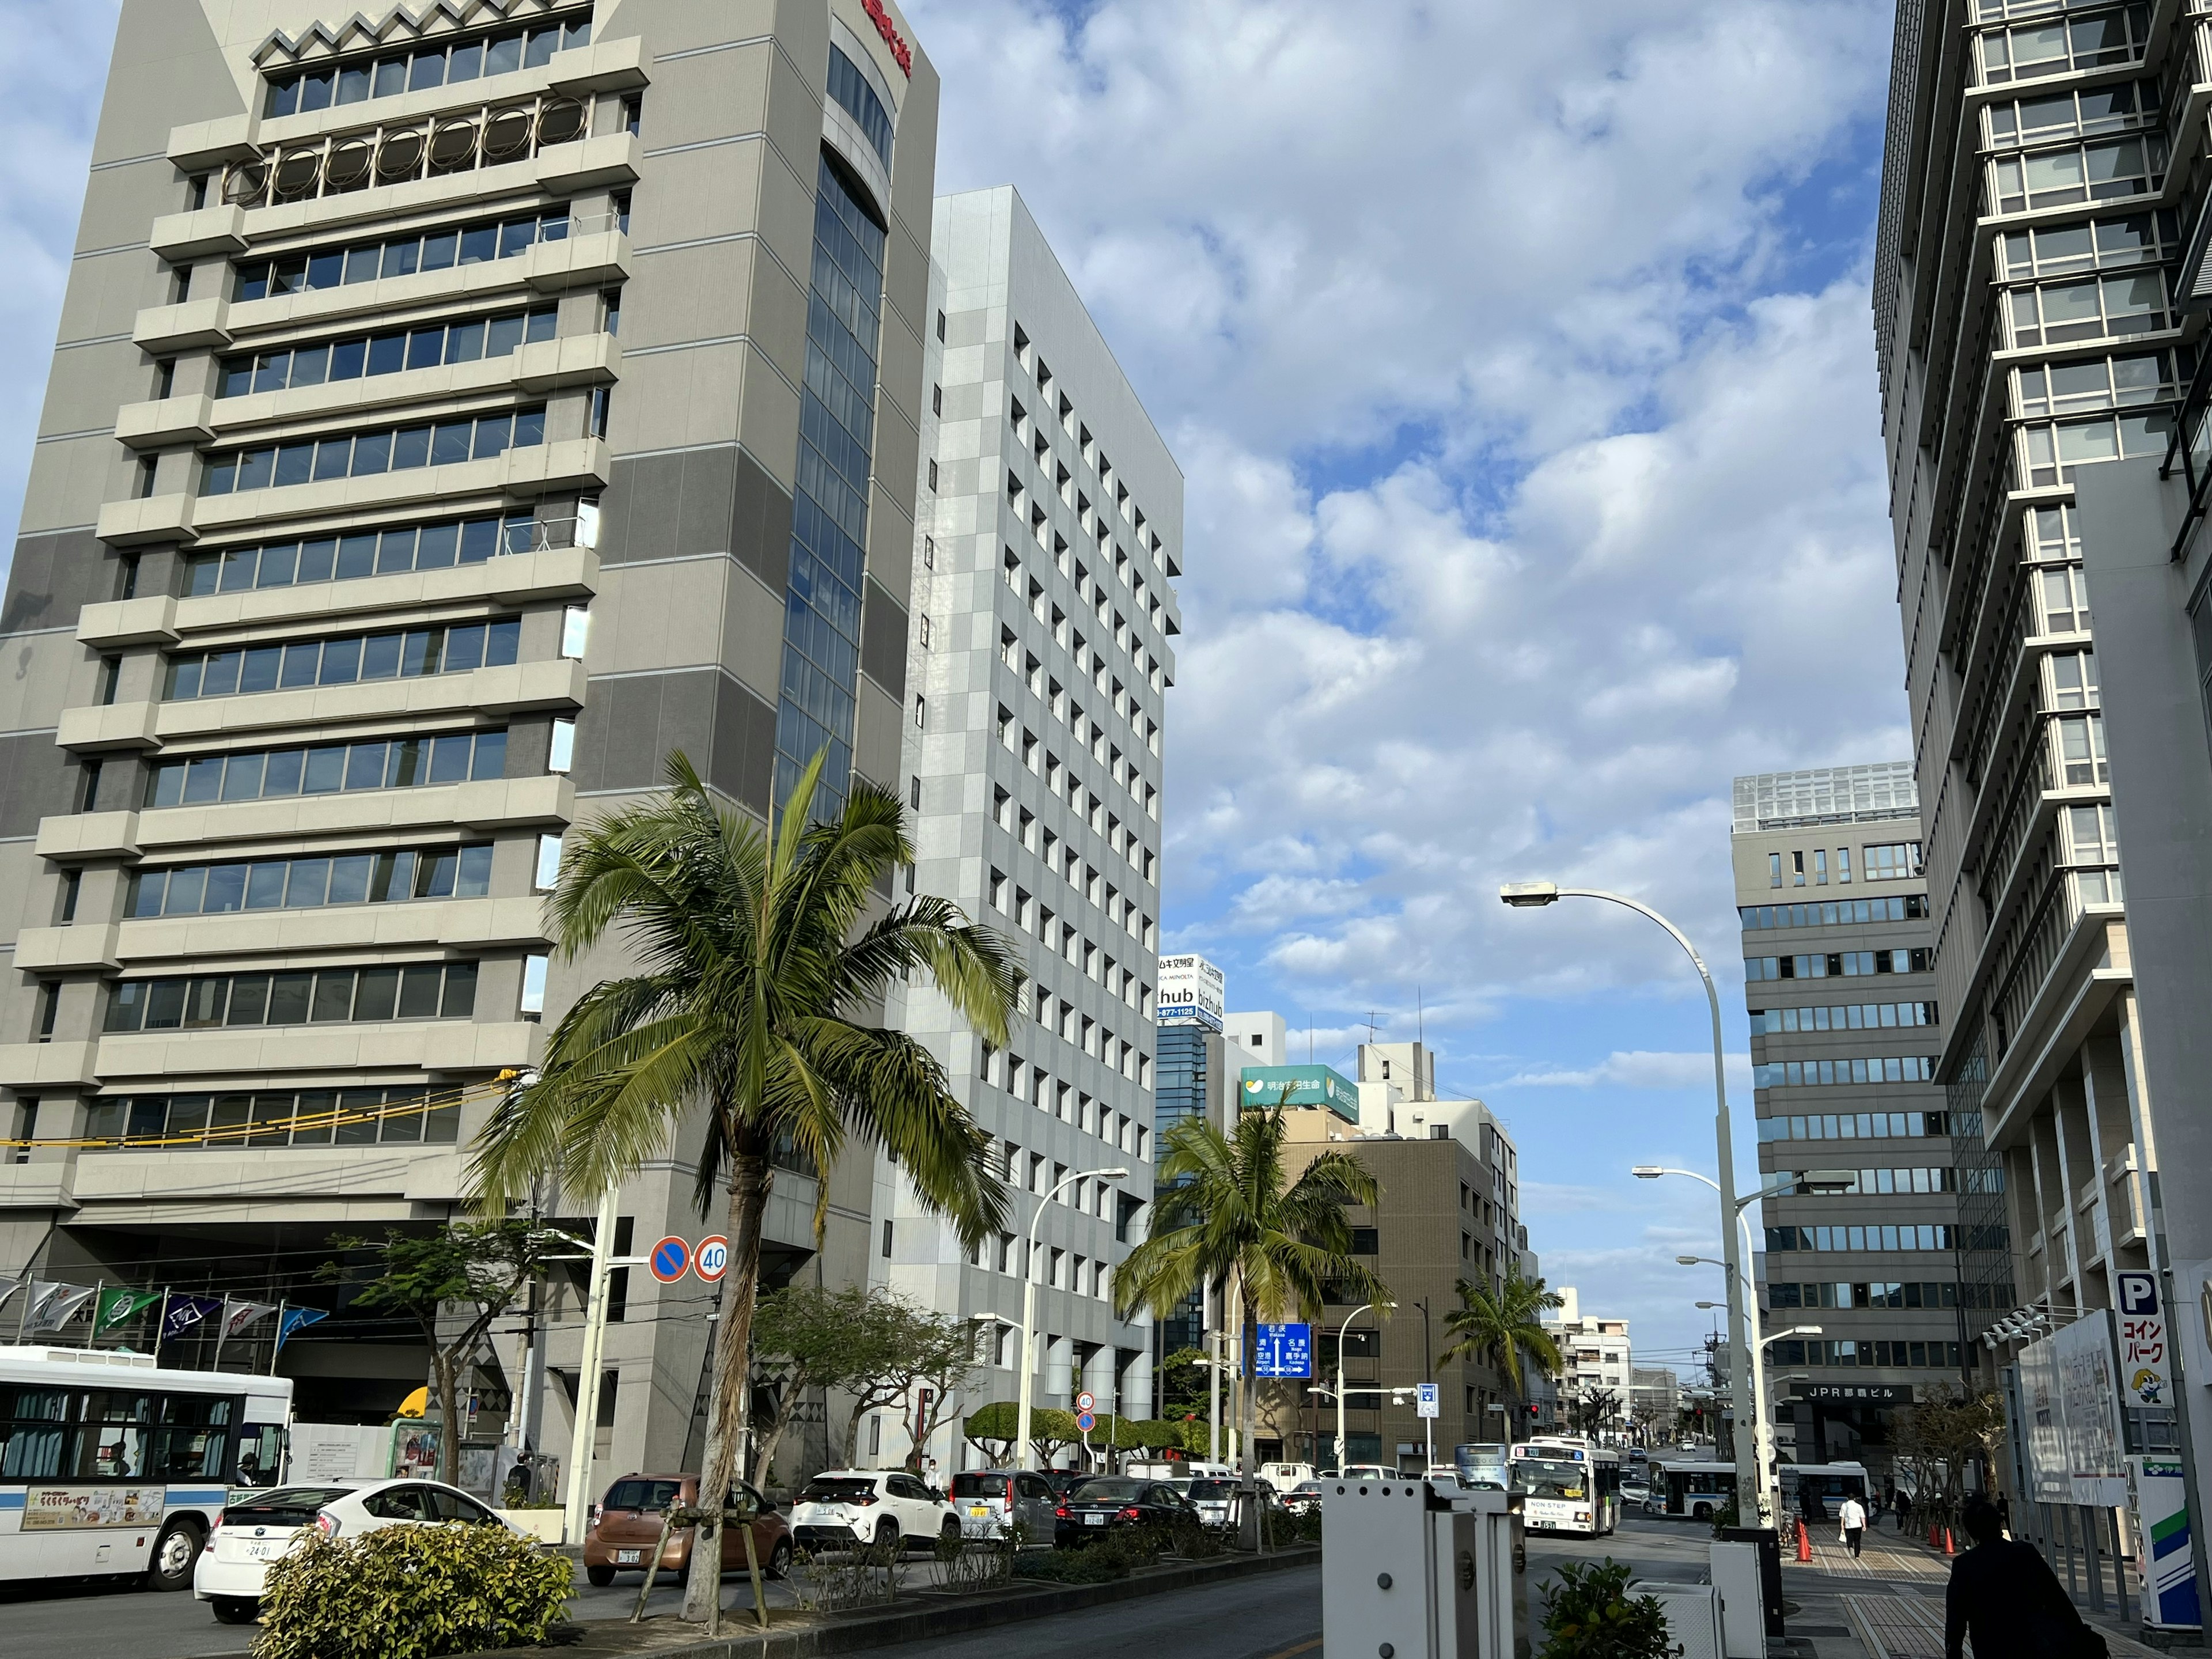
x=1109 y=1502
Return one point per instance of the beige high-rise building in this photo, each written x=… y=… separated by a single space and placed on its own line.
x=458 y=406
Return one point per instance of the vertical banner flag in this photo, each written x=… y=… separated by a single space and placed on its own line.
x=53 y=1304
x=119 y=1305
x=181 y=1312
x=237 y=1316
x=8 y=1288
x=296 y=1319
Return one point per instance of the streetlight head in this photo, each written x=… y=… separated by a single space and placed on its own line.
x=1647 y=1172
x=1708 y=1306
x=1111 y=1174
x=1828 y=1181
x=1688 y=1261
x=1529 y=894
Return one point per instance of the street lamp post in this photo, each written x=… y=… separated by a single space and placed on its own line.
x=1029 y=1305
x=1363 y=1308
x=1535 y=894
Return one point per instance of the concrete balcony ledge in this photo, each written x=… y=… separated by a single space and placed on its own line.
x=579 y=360
x=166 y=423
x=112 y=726
x=47 y=1065
x=335 y=497
x=438 y=1046
x=364 y=398
x=454 y=924
x=149 y=620
x=555 y=683
x=492 y=803
x=616 y=65
x=562 y=169
x=456 y=285
x=88 y=834
x=41 y=1185
x=591 y=164
x=568 y=464
x=189 y=325
x=203 y=234
x=550 y=573
x=600 y=260
x=81 y=946
x=149 y=519
x=203 y=146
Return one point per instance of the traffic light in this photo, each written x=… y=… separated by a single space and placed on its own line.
x=1532 y=1413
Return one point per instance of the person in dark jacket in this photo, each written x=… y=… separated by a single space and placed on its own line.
x=2004 y=1595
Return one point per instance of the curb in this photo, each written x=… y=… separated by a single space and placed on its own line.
x=854 y=1634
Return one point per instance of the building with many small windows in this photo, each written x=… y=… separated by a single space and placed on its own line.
x=1845 y=1030
x=1048 y=533
x=457 y=407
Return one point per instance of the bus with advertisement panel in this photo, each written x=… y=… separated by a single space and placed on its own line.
x=1573 y=1486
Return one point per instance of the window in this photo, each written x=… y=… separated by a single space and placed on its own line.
x=2057 y=47
x=425 y=991
x=887 y=1241
x=1859 y=1125
x=362 y=455
x=2093 y=308
x=194 y=889
x=1774 y=869
x=561 y=750
x=1853 y=1017
x=359 y=79
x=936 y=400
x=1843 y=866
x=921 y=711
x=1824 y=1073
x=454 y=649
x=2112 y=169
x=1819 y=866
x=533 y=1000
x=2065 y=599
x=1796 y=869
x=548 y=874
x=940 y=325
x=850 y=86
x=436 y=546
x=427 y=346
x=1897 y=861
x=2082 y=751
x=575 y=630
x=2099 y=243
x=1831 y=913
x=327 y=769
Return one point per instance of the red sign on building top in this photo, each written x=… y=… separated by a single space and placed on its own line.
x=892 y=38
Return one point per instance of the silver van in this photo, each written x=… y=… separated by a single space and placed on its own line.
x=994 y=1504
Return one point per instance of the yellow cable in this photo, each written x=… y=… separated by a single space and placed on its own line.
x=334 y=1118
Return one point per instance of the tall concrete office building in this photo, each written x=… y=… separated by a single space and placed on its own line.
x=2039 y=275
x=1050 y=527
x=457 y=407
x=1845 y=1035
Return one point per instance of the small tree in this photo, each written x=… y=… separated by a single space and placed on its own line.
x=806 y=1337
x=1589 y=1614
x=481 y=1265
x=939 y=1356
x=1182 y=1383
x=991 y=1430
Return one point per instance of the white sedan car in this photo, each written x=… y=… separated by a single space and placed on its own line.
x=254 y=1531
x=840 y=1509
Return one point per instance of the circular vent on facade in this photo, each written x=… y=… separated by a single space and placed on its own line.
x=561 y=121
x=348 y=167
x=507 y=136
x=453 y=146
x=245 y=183
x=399 y=156
x=297 y=173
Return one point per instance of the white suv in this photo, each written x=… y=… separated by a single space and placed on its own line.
x=254 y=1531
x=840 y=1509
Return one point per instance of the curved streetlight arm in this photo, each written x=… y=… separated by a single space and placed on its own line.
x=1340 y=1330
x=1022 y=1450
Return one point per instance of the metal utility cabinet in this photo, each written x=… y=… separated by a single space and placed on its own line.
x=1420 y=1570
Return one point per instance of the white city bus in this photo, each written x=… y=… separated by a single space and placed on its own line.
x=1573 y=1486
x=1697 y=1490
x=110 y=1464
x=1817 y=1491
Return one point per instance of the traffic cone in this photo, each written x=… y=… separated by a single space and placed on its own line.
x=1949 y=1548
x=1931 y=1534
x=1804 y=1541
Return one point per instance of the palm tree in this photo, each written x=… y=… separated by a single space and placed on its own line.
x=759 y=973
x=1501 y=1327
x=1223 y=1212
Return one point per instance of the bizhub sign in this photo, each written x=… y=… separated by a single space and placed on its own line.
x=1192 y=992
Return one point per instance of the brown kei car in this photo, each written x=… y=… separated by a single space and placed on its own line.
x=627 y=1525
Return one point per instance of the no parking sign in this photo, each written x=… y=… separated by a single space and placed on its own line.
x=670 y=1260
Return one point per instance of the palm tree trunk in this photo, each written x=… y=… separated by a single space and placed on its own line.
x=1248 y=1362
x=445 y=1374
x=726 y=1405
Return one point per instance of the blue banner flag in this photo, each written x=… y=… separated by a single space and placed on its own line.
x=295 y=1319
x=181 y=1312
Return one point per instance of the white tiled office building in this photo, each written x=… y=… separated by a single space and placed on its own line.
x=1050 y=524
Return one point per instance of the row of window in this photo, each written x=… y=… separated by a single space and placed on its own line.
x=363 y=355
x=1053 y=405
x=1897 y=860
x=1033 y=1086
x=1847 y=1017
x=1825 y=1074
x=1897 y=1355
x=360 y=455
x=850 y=87
x=261 y=277
x=276 y=1120
x=2101 y=170
x=1871 y=1183
x=1924 y=1293
x=1055 y=1268
x=328 y=769
x=2044 y=454
x=2064 y=46
x=1855 y=1126
x=1120 y=911
x=2113 y=307
x=425 y=66
x=2075 y=111
x=1840 y=964
x=429 y=990
x=1063 y=860
x=438 y=546
x=2102 y=383
x=1836 y=913
x=196 y=889
x=1923 y=1237
x=451 y=648
x=2133 y=238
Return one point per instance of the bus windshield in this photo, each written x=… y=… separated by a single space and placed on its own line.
x=1542 y=1478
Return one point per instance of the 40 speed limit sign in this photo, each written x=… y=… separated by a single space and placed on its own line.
x=712 y=1259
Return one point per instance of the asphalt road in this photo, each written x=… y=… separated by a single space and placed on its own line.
x=1275 y=1616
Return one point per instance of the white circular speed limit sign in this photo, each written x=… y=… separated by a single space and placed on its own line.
x=712 y=1260
x=1084 y=1402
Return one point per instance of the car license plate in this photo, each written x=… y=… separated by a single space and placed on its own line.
x=628 y=1557
x=980 y=1510
x=263 y=1551
x=1094 y=1520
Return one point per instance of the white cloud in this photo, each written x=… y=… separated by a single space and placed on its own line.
x=1639 y=1070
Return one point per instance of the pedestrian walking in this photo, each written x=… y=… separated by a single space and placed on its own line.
x=2004 y=1595
x=1853 y=1516
x=1904 y=1509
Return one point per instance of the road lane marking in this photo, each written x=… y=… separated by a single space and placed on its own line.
x=1302 y=1647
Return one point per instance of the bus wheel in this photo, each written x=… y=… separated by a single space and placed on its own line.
x=174 y=1551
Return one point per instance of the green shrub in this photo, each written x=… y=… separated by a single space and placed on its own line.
x=410 y=1593
x=1095 y=1563
x=1588 y=1614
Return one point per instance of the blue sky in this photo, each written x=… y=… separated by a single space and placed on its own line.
x=1520 y=365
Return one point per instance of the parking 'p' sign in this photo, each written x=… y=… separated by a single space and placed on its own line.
x=712 y=1259
x=670 y=1260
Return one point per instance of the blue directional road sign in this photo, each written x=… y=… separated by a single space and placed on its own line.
x=1284 y=1351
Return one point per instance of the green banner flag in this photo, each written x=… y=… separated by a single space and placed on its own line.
x=119 y=1304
